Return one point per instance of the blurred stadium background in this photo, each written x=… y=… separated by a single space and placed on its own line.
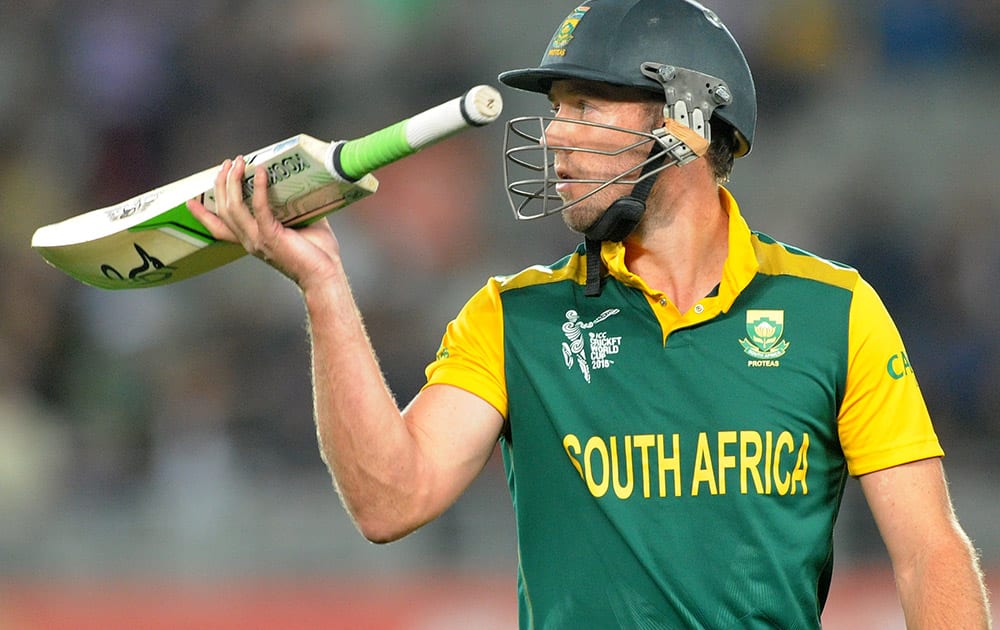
x=158 y=465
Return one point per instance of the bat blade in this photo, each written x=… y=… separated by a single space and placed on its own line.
x=153 y=239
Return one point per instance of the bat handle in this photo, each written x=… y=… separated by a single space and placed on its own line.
x=353 y=159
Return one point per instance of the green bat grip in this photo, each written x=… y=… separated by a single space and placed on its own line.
x=364 y=155
x=353 y=159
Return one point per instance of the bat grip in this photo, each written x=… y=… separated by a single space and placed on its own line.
x=353 y=159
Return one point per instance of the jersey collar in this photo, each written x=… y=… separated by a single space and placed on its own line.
x=740 y=267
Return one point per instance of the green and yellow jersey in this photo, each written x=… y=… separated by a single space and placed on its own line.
x=676 y=469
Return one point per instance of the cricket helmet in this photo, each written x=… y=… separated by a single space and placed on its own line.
x=611 y=40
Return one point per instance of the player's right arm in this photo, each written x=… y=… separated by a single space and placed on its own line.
x=395 y=470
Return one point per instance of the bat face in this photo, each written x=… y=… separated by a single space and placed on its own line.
x=153 y=239
x=141 y=258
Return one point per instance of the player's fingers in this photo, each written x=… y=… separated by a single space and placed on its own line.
x=236 y=214
x=215 y=226
x=234 y=179
x=220 y=185
x=228 y=206
x=232 y=185
x=268 y=228
x=261 y=207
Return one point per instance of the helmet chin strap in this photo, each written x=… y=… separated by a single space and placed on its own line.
x=618 y=221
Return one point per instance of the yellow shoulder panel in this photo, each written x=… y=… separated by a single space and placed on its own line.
x=778 y=259
x=573 y=267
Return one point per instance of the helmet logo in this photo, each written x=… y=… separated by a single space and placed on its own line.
x=565 y=33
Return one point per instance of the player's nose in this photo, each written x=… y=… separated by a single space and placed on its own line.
x=557 y=132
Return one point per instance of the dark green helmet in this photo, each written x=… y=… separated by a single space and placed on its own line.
x=610 y=40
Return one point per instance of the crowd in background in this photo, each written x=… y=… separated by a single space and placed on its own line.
x=172 y=427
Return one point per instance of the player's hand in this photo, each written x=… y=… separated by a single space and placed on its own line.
x=307 y=255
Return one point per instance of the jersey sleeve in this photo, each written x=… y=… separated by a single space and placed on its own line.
x=471 y=353
x=883 y=420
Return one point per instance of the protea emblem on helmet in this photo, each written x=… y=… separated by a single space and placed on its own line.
x=764 y=335
x=564 y=35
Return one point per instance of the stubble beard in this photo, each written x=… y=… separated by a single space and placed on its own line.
x=581 y=216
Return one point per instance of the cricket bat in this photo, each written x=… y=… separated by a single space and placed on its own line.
x=153 y=239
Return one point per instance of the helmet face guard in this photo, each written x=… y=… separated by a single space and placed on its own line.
x=529 y=171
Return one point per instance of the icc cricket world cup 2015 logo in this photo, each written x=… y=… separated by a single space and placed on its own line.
x=575 y=348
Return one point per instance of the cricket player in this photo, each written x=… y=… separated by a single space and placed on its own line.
x=679 y=401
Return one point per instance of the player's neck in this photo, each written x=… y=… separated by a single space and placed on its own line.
x=681 y=246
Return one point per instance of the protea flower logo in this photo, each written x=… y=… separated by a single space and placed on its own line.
x=565 y=33
x=764 y=335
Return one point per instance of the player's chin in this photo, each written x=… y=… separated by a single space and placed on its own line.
x=581 y=216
